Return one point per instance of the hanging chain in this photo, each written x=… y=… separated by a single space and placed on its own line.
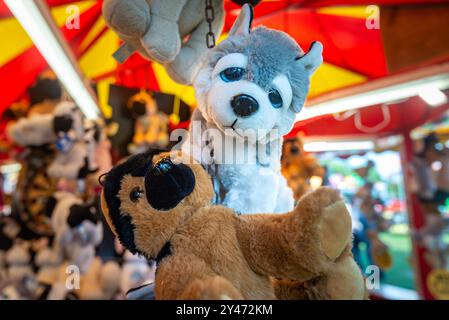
x=210 y=16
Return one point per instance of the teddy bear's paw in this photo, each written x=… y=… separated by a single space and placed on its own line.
x=335 y=229
x=212 y=288
x=345 y=281
x=159 y=47
x=324 y=214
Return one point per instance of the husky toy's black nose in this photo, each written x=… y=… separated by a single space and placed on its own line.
x=166 y=184
x=244 y=105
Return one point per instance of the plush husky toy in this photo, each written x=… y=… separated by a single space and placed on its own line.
x=249 y=91
x=162 y=210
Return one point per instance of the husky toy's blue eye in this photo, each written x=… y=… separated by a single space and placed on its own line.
x=232 y=74
x=275 y=98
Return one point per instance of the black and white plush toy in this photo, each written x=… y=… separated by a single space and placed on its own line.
x=249 y=90
x=71 y=161
x=78 y=229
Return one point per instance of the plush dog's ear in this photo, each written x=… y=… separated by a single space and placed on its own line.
x=311 y=60
x=243 y=23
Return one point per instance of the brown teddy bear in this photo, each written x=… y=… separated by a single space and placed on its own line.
x=162 y=210
x=298 y=166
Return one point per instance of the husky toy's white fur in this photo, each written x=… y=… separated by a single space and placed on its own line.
x=249 y=90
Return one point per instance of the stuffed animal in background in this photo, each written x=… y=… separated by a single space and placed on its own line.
x=77 y=229
x=72 y=159
x=45 y=94
x=18 y=259
x=136 y=271
x=300 y=168
x=7 y=234
x=34 y=131
x=157 y=29
x=249 y=90
x=48 y=262
x=150 y=125
x=25 y=288
x=162 y=210
x=101 y=281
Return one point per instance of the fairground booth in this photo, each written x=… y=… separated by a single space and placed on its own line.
x=143 y=136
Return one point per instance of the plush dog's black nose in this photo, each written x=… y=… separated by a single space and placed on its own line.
x=244 y=105
x=166 y=184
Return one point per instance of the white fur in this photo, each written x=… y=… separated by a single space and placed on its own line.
x=33 y=132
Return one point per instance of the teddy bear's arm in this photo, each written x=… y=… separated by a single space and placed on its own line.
x=185 y=276
x=299 y=245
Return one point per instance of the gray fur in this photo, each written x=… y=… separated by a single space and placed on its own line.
x=272 y=58
x=265 y=60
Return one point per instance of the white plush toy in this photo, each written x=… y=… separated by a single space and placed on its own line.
x=249 y=90
x=136 y=272
x=34 y=131
x=171 y=32
x=18 y=259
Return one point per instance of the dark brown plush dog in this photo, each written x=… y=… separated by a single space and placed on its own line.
x=162 y=210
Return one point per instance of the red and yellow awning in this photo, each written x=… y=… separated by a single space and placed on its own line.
x=353 y=53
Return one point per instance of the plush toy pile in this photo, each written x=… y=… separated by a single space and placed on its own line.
x=66 y=266
x=55 y=229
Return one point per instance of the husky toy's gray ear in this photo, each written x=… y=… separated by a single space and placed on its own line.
x=243 y=23
x=311 y=60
